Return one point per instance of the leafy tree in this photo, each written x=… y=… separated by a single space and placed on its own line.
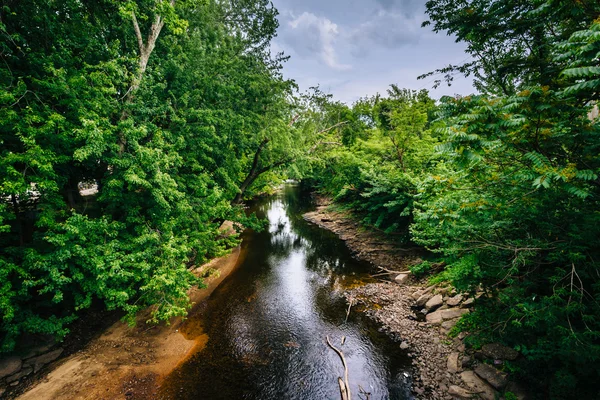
x=514 y=213
x=161 y=103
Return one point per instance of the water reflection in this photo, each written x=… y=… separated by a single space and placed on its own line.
x=267 y=323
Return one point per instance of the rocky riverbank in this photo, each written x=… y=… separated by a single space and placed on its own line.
x=121 y=362
x=419 y=318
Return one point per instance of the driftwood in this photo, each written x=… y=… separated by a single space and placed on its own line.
x=344 y=384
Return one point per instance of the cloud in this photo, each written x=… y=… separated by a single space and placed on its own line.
x=386 y=30
x=309 y=35
x=406 y=7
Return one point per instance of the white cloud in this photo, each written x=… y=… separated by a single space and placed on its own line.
x=309 y=35
x=385 y=30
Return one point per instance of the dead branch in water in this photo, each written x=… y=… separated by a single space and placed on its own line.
x=343 y=390
x=347 y=315
x=363 y=392
x=344 y=385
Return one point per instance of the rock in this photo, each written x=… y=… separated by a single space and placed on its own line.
x=453 y=363
x=417 y=294
x=434 y=317
x=38 y=350
x=2 y=390
x=461 y=393
x=454 y=301
x=434 y=303
x=449 y=324
x=499 y=351
x=39 y=361
x=452 y=313
x=404 y=345
x=517 y=390
x=491 y=375
x=466 y=361
x=402 y=278
x=9 y=366
x=468 y=302
x=423 y=299
x=24 y=372
x=477 y=385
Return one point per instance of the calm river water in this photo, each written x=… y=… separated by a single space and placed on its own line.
x=267 y=322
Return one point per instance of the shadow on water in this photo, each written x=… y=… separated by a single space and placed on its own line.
x=268 y=321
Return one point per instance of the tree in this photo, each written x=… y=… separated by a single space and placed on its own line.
x=158 y=102
x=514 y=212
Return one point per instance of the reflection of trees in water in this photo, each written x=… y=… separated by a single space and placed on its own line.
x=261 y=344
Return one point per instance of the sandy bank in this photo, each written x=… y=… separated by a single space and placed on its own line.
x=129 y=363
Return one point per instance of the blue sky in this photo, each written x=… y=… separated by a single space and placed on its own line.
x=354 y=48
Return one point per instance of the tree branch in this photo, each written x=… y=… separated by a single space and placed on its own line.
x=138 y=33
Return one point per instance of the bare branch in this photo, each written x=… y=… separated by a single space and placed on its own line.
x=138 y=33
x=332 y=127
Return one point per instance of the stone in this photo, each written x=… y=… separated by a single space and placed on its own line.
x=498 y=351
x=417 y=294
x=35 y=351
x=466 y=361
x=517 y=390
x=404 y=345
x=423 y=299
x=461 y=393
x=434 y=317
x=452 y=313
x=454 y=301
x=23 y=373
x=453 y=363
x=491 y=375
x=478 y=385
x=434 y=303
x=469 y=302
x=39 y=361
x=449 y=324
x=402 y=278
x=9 y=366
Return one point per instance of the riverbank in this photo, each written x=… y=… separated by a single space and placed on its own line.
x=418 y=316
x=129 y=363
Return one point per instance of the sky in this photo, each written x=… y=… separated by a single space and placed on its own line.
x=357 y=48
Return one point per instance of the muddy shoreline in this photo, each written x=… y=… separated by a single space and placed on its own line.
x=129 y=363
x=417 y=316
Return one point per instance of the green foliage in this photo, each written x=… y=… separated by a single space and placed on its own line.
x=503 y=185
x=168 y=145
x=422 y=269
x=376 y=173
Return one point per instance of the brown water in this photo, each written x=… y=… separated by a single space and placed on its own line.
x=268 y=321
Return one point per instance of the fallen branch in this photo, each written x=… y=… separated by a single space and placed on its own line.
x=344 y=385
x=347 y=315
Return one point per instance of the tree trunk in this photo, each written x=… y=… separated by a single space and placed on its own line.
x=18 y=218
x=252 y=174
x=145 y=50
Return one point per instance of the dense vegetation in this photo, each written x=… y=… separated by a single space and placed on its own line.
x=177 y=110
x=174 y=108
x=502 y=186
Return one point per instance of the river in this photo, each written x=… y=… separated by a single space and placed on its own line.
x=267 y=323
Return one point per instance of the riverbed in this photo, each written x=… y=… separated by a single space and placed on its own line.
x=267 y=323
